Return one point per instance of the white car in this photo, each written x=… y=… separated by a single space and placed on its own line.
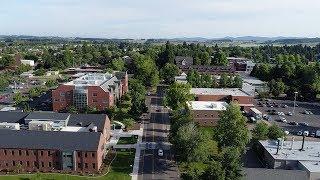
x=306 y=133
x=160 y=152
x=287 y=132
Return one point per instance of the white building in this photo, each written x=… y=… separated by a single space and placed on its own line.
x=27 y=62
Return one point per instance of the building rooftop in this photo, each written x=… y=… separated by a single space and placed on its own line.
x=91 y=79
x=12 y=117
x=84 y=120
x=58 y=140
x=219 y=91
x=253 y=81
x=47 y=116
x=208 y=105
x=311 y=151
x=274 y=174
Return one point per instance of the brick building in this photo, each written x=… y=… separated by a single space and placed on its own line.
x=186 y=64
x=91 y=90
x=206 y=113
x=224 y=94
x=61 y=142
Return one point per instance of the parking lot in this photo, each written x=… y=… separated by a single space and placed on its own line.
x=274 y=107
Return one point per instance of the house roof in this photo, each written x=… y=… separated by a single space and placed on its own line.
x=218 y=91
x=58 y=140
x=12 y=117
x=187 y=60
x=47 y=116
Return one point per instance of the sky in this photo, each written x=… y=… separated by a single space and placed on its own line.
x=160 y=18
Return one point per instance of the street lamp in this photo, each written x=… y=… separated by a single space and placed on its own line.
x=294 y=102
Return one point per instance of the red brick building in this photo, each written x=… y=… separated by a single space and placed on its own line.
x=71 y=142
x=91 y=90
x=224 y=94
x=206 y=113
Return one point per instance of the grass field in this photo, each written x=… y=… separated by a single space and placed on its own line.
x=121 y=167
x=127 y=140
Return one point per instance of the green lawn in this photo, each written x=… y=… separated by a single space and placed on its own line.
x=127 y=140
x=120 y=170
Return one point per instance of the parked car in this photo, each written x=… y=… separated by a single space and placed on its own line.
x=293 y=123
x=313 y=134
x=303 y=124
x=299 y=133
x=160 y=152
x=284 y=106
x=318 y=133
x=289 y=114
x=287 y=132
x=282 y=119
x=306 y=133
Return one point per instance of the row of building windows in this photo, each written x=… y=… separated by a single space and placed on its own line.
x=42 y=164
x=28 y=152
x=86 y=154
x=205 y=115
x=28 y=164
x=63 y=94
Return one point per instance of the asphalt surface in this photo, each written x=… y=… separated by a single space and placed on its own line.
x=153 y=166
x=313 y=120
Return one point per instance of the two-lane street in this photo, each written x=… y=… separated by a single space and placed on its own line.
x=153 y=166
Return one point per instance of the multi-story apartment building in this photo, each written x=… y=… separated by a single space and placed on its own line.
x=53 y=141
x=91 y=90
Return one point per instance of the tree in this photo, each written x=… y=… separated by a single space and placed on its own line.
x=22 y=68
x=39 y=72
x=237 y=81
x=51 y=83
x=223 y=80
x=168 y=72
x=117 y=64
x=260 y=132
x=18 y=98
x=146 y=70
x=231 y=163
x=177 y=96
x=194 y=170
x=6 y=61
x=214 y=171
x=137 y=93
x=231 y=128
x=220 y=58
x=276 y=87
x=275 y=132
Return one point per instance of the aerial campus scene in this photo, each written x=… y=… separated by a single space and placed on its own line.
x=159 y=89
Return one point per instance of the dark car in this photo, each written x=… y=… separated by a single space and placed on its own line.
x=293 y=123
x=303 y=124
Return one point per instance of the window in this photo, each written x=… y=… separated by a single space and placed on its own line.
x=56 y=100
x=93 y=165
x=12 y=152
x=28 y=163
x=57 y=164
x=42 y=164
x=27 y=152
x=211 y=115
x=20 y=162
x=49 y=153
x=79 y=165
x=94 y=94
x=79 y=154
x=35 y=164
x=50 y=164
x=19 y=152
x=5 y=152
x=86 y=165
x=13 y=163
x=197 y=115
x=85 y=155
x=94 y=100
x=62 y=94
x=41 y=153
x=205 y=115
x=93 y=154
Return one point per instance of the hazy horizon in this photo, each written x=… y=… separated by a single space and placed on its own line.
x=142 y=19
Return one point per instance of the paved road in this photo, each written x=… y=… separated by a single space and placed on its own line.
x=155 y=135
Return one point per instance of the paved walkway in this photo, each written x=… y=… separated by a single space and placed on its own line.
x=116 y=134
